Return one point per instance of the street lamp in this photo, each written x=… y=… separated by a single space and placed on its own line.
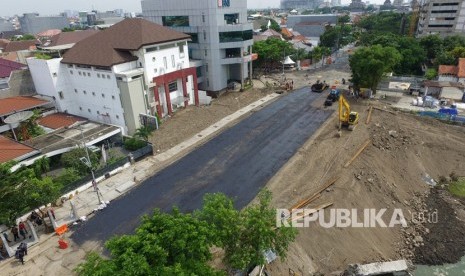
x=88 y=163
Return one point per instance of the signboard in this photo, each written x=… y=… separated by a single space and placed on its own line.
x=224 y=3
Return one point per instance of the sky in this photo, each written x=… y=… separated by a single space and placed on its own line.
x=54 y=7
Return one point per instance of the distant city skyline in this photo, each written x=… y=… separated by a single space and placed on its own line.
x=54 y=7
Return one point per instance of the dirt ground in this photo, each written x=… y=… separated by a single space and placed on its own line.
x=390 y=173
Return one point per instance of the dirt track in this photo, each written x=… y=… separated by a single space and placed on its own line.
x=388 y=174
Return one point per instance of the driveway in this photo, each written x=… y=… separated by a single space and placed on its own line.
x=237 y=162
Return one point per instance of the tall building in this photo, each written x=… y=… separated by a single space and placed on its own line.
x=6 y=26
x=443 y=17
x=300 y=4
x=124 y=75
x=32 y=23
x=221 y=37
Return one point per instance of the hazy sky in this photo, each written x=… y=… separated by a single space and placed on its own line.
x=52 y=7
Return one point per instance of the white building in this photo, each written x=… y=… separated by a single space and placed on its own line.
x=124 y=75
x=221 y=36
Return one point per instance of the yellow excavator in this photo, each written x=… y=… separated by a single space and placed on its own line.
x=347 y=118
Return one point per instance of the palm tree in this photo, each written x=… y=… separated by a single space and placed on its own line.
x=144 y=132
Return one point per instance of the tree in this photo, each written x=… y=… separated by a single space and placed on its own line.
x=271 y=52
x=412 y=56
x=72 y=159
x=432 y=45
x=23 y=191
x=369 y=64
x=144 y=132
x=431 y=73
x=164 y=244
x=300 y=54
x=23 y=37
x=246 y=235
x=343 y=19
x=458 y=52
x=41 y=166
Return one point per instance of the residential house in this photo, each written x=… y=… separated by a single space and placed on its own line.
x=124 y=75
x=452 y=73
x=7 y=67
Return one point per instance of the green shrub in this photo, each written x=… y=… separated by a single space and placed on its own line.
x=133 y=144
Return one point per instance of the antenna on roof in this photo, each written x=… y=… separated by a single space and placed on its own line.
x=17 y=118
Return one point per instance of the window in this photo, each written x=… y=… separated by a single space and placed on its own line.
x=108 y=76
x=199 y=71
x=98 y=112
x=60 y=93
x=83 y=66
x=224 y=3
x=206 y=53
x=71 y=72
x=80 y=108
x=235 y=36
x=117 y=117
x=88 y=74
x=113 y=97
x=167 y=46
x=204 y=35
x=173 y=86
x=203 y=18
x=103 y=68
x=194 y=37
x=165 y=62
x=155 y=70
x=151 y=49
x=79 y=73
x=181 y=48
x=173 y=61
x=84 y=92
x=231 y=18
x=154 y=59
x=89 y=110
x=75 y=90
x=103 y=95
x=93 y=93
x=206 y=68
x=98 y=75
x=175 y=21
x=70 y=66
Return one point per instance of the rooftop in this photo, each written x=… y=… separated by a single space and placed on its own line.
x=12 y=150
x=14 y=104
x=64 y=139
x=66 y=38
x=59 y=120
x=14 y=46
x=111 y=46
x=7 y=66
x=447 y=70
x=461 y=68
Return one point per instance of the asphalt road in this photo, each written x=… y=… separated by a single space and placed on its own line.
x=238 y=162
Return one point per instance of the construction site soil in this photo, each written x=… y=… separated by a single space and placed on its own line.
x=404 y=156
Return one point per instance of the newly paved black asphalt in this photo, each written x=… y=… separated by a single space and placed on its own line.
x=238 y=162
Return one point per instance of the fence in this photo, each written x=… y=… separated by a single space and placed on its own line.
x=137 y=154
x=443 y=117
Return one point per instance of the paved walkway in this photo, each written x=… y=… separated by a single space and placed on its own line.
x=46 y=259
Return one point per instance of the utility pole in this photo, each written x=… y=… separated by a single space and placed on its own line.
x=88 y=163
x=284 y=59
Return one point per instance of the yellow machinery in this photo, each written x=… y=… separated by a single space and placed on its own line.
x=346 y=117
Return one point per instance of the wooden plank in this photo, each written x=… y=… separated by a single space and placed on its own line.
x=358 y=153
x=369 y=115
x=388 y=111
x=316 y=209
x=315 y=195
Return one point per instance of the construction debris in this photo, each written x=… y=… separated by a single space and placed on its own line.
x=358 y=153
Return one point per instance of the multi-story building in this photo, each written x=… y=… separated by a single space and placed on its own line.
x=32 y=23
x=300 y=4
x=221 y=37
x=124 y=75
x=443 y=17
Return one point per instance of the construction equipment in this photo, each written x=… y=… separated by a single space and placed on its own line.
x=333 y=96
x=347 y=118
x=319 y=87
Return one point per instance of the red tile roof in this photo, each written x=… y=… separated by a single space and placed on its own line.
x=461 y=68
x=14 y=46
x=286 y=32
x=10 y=150
x=447 y=70
x=59 y=120
x=49 y=33
x=7 y=66
x=112 y=46
x=14 y=104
